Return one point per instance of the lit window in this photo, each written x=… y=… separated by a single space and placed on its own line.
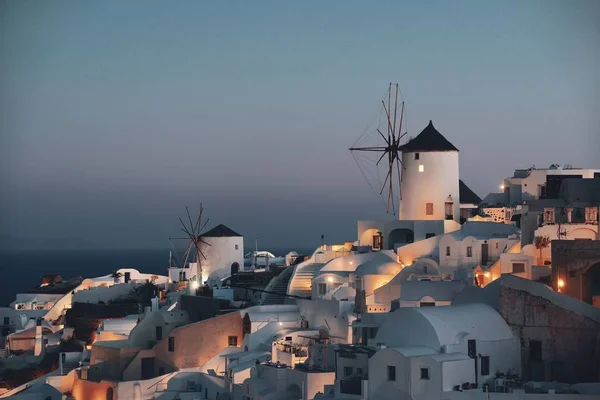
x=429 y=209
x=421 y=168
x=469 y=251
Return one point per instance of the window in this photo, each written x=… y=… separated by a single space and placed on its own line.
x=321 y=288
x=535 y=350
x=159 y=333
x=421 y=168
x=427 y=304
x=424 y=373
x=485 y=365
x=347 y=371
x=429 y=235
x=237 y=246
x=429 y=208
x=358 y=371
x=161 y=371
x=391 y=373
x=496 y=245
x=232 y=340
x=416 y=156
x=472 y=348
x=447 y=251
x=171 y=344
x=518 y=268
x=469 y=251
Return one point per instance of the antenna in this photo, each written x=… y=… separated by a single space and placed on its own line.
x=392 y=117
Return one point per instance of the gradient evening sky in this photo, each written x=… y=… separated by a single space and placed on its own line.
x=115 y=115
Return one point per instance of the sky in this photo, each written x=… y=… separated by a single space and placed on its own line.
x=116 y=115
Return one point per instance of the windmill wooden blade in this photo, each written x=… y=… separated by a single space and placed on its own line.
x=190 y=220
x=392 y=116
x=184 y=228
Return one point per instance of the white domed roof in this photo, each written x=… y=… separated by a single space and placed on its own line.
x=378 y=267
x=435 y=327
x=353 y=262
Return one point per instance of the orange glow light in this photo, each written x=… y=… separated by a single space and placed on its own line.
x=561 y=283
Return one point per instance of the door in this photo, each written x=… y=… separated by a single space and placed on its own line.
x=159 y=333
x=127 y=277
x=484 y=253
x=147 y=368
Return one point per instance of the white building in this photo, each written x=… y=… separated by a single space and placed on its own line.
x=476 y=243
x=430 y=184
x=426 y=351
x=434 y=200
x=224 y=252
x=366 y=271
x=535 y=183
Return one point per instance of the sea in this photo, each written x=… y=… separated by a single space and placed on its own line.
x=21 y=270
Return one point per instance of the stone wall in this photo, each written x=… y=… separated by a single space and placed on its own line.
x=195 y=344
x=571 y=262
x=570 y=342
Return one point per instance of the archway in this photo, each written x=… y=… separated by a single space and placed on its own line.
x=400 y=237
x=591 y=285
x=109 y=393
x=293 y=392
x=372 y=237
x=235 y=267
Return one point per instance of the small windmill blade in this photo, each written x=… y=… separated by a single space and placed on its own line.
x=392 y=117
x=190 y=220
x=195 y=240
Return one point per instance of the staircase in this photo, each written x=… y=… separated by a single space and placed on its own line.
x=279 y=286
x=301 y=281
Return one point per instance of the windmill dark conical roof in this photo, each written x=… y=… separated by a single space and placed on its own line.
x=221 y=231
x=467 y=196
x=429 y=140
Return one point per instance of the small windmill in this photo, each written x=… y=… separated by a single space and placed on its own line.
x=194 y=238
x=392 y=116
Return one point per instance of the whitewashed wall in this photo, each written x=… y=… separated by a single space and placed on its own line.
x=438 y=180
x=105 y=294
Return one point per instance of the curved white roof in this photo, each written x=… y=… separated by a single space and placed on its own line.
x=353 y=262
x=435 y=327
x=279 y=312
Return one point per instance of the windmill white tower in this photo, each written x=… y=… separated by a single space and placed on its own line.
x=430 y=181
